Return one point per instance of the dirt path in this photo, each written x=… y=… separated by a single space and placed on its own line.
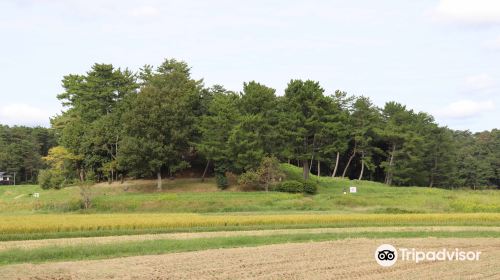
x=31 y=244
x=343 y=259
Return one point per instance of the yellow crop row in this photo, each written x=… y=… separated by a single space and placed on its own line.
x=42 y=223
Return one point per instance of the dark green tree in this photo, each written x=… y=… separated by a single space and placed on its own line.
x=216 y=127
x=304 y=108
x=160 y=125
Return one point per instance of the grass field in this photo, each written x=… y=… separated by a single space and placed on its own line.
x=193 y=196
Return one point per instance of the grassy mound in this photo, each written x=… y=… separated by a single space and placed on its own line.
x=193 y=196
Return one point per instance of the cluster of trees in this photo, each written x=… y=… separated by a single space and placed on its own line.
x=22 y=149
x=161 y=120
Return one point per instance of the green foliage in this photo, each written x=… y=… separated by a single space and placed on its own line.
x=21 y=150
x=61 y=168
x=90 y=125
x=249 y=180
x=293 y=186
x=267 y=174
x=160 y=121
x=51 y=179
x=290 y=186
x=305 y=108
x=310 y=187
x=215 y=128
x=364 y=120
x=221 y=181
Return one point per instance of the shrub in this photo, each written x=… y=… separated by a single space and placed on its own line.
x=232 y=179
x=265 y=177
x=51 y=179
x=221 y=181
x=310 y=187
x=86 y=195
x=291 y=186
x=249 y=180
x=269 y=172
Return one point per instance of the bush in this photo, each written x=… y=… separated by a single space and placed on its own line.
x=232 y=179
x=265 y=177
x=86 y=195
x=51 y=179
x=221 y=181
x=249 y=180
x=310 y=187
x=291 y=186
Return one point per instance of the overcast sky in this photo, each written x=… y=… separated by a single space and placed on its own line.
x=441 y=57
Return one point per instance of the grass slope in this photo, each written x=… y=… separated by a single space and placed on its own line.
x=190 y=195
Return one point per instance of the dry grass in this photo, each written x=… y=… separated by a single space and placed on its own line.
x=150 y=186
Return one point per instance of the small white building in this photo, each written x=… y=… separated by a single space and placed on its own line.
x=5 y=179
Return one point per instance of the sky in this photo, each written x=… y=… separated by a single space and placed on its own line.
x=440 y=57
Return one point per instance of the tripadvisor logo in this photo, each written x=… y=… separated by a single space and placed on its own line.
x=387 y=255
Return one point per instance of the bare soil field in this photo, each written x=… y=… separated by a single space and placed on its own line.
x=343 y=259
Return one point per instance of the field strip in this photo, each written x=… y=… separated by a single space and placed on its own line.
x=64 y=223
x=31 y=244
x=341 y=259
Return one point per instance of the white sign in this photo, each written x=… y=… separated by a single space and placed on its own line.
x=352 y=189
x=37 y=195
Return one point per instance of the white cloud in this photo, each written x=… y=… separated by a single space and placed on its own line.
x=23 y=114
x=493 y=44
x=468 y=11
x=465 y=109
x=481 y=82
x=145 y=11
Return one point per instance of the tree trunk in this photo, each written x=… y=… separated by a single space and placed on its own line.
x=205 y=171
x=311 y=165
x=319 y=168
x=305 y=168
x=336 y=165
x=388 y=176
x=348 y=163
x=362 y=169
x=433 y=172
x=159 y=180
x=82 y=176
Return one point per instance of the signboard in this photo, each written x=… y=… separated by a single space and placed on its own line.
x=353 y=190
x=36 y=195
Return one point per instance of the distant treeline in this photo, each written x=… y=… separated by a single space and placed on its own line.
x=159 y=121
x=22 y=149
